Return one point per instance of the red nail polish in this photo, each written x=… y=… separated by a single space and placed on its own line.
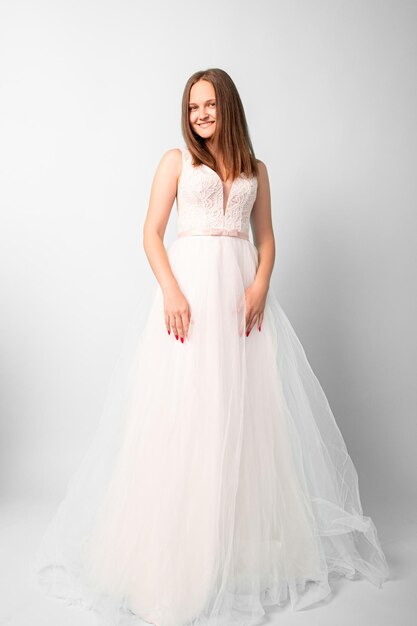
x=176 y=336
x=182 y=339
x=247 y=334
x=259 y=328
x=169 y=332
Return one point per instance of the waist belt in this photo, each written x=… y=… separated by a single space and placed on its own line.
x=214 y=231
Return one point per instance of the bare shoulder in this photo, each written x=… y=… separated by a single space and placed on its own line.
x=170 y=164
x=172 y=156
x=263 y=172
x=173 y=153
x=262 y=166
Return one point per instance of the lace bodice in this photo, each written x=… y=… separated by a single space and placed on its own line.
x=200 y=198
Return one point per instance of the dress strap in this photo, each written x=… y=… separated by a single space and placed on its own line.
x=185 y=157
x=185 y=152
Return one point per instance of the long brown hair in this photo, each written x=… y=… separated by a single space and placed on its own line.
x=231 y=137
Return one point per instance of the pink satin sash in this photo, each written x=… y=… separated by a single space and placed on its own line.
x=214 y=231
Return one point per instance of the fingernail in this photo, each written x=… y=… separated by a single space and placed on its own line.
x=176 y=336
x=182 y=339
x=169 y=332
x=247 y=334
x=259 y=328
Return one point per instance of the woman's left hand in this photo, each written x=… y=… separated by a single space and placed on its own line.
x=255 y=298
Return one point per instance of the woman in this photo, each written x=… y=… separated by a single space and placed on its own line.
x=218 y=482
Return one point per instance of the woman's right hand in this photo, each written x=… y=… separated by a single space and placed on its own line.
x=177 y=312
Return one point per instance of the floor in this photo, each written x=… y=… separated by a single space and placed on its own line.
x=355 y=603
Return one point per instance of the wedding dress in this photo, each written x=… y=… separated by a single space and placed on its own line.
x=217 y=482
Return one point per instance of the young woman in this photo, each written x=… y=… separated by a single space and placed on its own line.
x=218 y=482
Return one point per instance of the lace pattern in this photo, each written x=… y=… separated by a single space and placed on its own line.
x=200 y=198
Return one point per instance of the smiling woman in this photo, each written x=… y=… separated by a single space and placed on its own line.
x=218 y=482
x=202 y=118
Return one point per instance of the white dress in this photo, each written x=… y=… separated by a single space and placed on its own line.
x=218 y=481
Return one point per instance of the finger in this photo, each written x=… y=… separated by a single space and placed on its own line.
x=178 y=321
x=260 y=321
x=185 y=322
x=173 y=326
x=251 y=324
x=167 y=324
x=249 y=317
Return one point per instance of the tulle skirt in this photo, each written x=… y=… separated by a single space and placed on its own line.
x=217 y=481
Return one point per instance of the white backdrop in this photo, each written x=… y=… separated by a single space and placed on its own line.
x=90 y=98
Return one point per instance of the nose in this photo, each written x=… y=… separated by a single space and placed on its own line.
x=203 y=115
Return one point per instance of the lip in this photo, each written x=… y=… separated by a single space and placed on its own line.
x=206 y=124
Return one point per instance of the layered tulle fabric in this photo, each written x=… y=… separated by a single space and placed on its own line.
x=218 y=481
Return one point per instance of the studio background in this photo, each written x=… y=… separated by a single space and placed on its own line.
x=90 y=99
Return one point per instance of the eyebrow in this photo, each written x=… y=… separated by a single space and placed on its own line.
x=209 y=100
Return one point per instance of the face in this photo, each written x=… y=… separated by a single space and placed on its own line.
x=202 y=109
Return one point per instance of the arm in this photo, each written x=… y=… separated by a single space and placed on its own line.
x=162 y=196
x=263 y=234
x=264 y=240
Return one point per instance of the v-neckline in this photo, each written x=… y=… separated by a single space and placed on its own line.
x=224 y=208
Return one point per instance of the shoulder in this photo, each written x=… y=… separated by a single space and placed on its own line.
x=173 y=155
x=261 y=164
x=171 y=161
x=263 y=170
